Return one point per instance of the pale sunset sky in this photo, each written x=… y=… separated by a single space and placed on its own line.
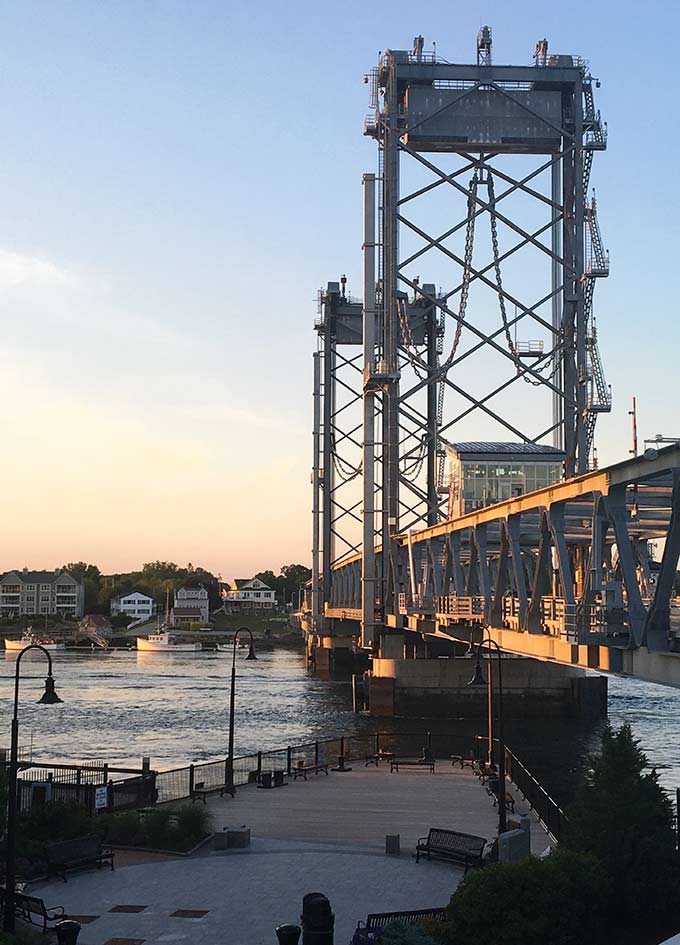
x=177 y=181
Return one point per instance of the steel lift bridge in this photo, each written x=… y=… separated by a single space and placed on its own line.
x=483 y=180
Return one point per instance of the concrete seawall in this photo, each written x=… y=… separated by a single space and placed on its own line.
x=439 y=687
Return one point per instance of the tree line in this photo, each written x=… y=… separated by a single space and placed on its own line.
x=160 y=579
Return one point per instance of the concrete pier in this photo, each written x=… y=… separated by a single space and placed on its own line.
x=439 y=687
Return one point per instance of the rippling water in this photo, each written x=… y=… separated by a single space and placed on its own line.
x=174 y=707
x=122 y=705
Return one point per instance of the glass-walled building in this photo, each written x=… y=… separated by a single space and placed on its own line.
x=482 y=474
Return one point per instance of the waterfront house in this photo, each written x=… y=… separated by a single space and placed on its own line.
x=135 y=605
x=54 y=593
x=247 y=594
x=191 y=605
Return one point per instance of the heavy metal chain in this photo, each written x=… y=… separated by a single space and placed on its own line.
x=512 y=347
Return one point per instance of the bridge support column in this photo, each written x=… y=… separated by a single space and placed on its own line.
x=368 y=571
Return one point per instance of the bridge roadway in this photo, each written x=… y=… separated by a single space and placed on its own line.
x=562 y=574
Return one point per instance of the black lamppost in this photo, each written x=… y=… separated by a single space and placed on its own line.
x=230 y=787
x=478 y=680
x=472 y=649
x=49 y=697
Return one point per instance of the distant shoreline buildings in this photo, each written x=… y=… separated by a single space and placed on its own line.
x=41 y=593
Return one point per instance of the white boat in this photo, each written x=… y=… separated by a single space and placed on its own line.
x=29 y=638
x=229 y=647
x=161 y=642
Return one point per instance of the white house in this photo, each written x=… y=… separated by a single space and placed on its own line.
x=191 y=605
x=135 y=604
x=41 y=592
x=247 y=594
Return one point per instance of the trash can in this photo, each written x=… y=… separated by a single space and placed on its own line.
x=67 y=931
x=278 y=778
x=266 y=779
x=317 y=920
x=288 y=934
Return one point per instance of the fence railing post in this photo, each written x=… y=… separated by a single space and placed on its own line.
x=259 y=766
x=316 y=752
x=192 y=775
x=289 y=760
x=342 y=746
x=377 y=743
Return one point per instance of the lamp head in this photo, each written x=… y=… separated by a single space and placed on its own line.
x=49 y=696
x=251 y=652
x=478 y=678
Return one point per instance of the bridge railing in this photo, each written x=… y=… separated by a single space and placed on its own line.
x=461 y=608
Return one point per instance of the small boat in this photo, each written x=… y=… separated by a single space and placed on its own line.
x=31 y=639
x=229 y=647
x=161 y=642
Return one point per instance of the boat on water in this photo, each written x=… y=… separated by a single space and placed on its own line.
x=162 y=642
x=229 y=647
x=31 y=639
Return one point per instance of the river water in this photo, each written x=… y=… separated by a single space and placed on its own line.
x=120 y=706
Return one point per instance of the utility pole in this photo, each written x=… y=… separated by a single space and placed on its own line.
x=633 y=413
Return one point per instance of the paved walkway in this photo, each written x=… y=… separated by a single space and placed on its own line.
x=324 y=835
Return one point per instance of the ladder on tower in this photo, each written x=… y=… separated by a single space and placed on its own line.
x=596 y=256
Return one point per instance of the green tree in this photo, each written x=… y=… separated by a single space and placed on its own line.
x=91 y=577
x=534 y=902
x=623 y=817
x=294 y=577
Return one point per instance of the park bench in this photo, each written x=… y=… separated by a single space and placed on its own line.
x=396 y=763
x=203 y=792
x=377 y=921
x=492 y=791
x=301 y=771
x=379 y=756
x=32 y=909
x=75 y=854
x=462 y=848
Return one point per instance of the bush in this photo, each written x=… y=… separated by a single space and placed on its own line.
x=49 y=824
x=533 y=902
x=158 y=827
x=193 y=820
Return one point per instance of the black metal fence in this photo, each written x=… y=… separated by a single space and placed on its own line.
x=98 y=787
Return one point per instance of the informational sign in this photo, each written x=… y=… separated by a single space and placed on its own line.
x=101 y=797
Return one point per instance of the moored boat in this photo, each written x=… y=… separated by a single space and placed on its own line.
x=31 y=639
x=161 y=642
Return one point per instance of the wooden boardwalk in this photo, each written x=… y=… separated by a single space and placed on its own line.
x=360 y=807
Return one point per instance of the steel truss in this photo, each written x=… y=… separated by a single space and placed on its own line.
x=563 y=573
x=433 y=132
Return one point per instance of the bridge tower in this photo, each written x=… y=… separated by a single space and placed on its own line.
x=483 y=177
